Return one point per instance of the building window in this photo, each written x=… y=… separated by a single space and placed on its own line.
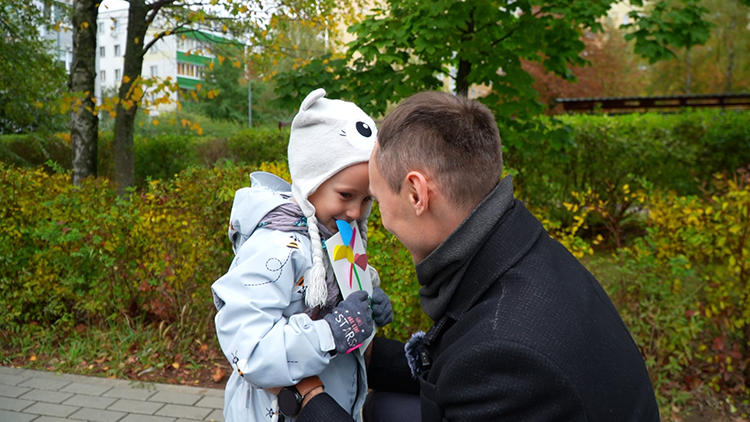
x=187 y=69
x=101 y=51
x=117 y=50
x=102 y=77
x=117 y=75
x=115 y=26
x=56 y=13
x=154 y=71
x=100 y=25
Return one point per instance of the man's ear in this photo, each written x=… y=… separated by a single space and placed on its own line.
x=418 y=191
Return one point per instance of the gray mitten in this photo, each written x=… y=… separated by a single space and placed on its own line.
x=351 y=322
x=382 y=311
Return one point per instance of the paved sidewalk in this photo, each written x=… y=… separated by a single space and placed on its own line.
x=37 y=396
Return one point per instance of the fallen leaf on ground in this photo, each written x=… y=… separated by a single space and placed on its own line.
x=218 y=374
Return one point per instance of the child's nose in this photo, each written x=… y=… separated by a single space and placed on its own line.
x=354 y=212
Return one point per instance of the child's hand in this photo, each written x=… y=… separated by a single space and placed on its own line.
x=351 y=322
x=382 y=311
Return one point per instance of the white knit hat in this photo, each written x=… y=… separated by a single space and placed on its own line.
x=326 y=137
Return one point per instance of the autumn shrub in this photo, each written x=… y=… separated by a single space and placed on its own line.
x=82 y=254
x=713 y=232
x=74 y=255
x=683 y=289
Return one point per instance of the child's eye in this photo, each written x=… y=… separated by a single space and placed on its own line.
x=345 y=195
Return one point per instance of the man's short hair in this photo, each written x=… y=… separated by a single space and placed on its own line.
x=450 y=138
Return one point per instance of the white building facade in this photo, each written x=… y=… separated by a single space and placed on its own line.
x=61 y=38
x=182 y=58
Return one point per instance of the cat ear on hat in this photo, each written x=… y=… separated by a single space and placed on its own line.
x=312 y=98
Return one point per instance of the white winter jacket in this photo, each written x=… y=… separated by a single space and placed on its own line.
x=261 y=324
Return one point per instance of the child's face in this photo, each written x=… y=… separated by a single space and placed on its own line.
x=345 y=196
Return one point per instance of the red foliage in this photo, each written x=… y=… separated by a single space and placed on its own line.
x=613 y=71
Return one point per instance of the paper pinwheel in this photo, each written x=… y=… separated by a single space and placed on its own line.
x=346 y=251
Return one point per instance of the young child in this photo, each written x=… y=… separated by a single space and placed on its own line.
x=281 y=318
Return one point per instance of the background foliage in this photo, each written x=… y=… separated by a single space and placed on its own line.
x=77 y=261
x=28 y=99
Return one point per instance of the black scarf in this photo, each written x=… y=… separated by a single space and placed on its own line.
x=440 y=273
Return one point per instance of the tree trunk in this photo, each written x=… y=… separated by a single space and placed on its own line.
x=464 y=65
x=84 y=123
x=130 y=95
x=730 y=54
x=462 y=84
x=688 y=72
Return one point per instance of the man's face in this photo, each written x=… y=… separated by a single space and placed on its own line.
x=394 y=207
x=344 y=196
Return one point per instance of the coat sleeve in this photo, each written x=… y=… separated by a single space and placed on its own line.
x=268 y=348
x=323 y=408
x=388 y=369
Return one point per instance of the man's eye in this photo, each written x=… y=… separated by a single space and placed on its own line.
x=369 y=199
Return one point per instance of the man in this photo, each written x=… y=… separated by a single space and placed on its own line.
x=522 y=331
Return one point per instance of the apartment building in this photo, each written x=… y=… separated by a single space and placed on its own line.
x=183 y=58
x=60 y=38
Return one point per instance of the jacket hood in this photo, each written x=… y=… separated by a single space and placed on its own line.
x=250 y=205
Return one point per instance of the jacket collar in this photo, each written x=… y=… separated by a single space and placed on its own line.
x=511 y=238
x=441 y=271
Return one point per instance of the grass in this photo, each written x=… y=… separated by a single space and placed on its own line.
x=123 y=350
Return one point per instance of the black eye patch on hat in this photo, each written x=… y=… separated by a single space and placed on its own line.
x=364 y=129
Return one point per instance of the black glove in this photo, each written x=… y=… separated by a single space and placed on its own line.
x=351 y=322
x=382 y=311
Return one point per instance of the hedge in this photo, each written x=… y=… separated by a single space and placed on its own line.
x=159 y=155
x=72 y=255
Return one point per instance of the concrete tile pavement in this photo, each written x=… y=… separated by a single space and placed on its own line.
x=37 y=396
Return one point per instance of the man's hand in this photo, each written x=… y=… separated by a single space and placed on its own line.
x=351 y=322
x=382 y=311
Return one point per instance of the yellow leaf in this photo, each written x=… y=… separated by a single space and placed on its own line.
x=33 y=358
x=155 y=122
x=137 y=40
x=84 y=24
x=176 y=365
x=125 y=79
x=237 y=64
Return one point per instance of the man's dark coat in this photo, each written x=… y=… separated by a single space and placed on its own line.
x=529 y=335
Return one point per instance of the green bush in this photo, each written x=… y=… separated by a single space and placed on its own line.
x=613 y=155
x=159 y=156
x=33 y=150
